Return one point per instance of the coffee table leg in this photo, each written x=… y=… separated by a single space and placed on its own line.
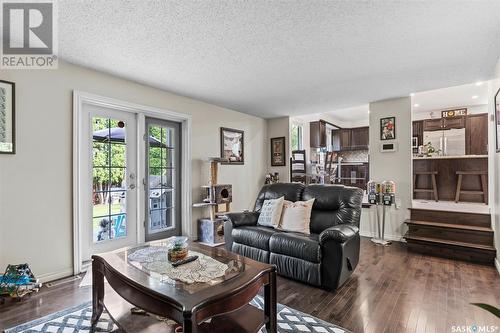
x=270 y=303
x=188 y=326
x=97 y=291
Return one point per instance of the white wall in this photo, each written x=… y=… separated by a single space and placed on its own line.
x=278 y=127
x=394 y=166
x=471 y=109
x=36 y=183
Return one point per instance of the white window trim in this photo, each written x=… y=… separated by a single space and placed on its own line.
x=142 y=111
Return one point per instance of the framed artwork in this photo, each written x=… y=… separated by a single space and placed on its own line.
x=7 y=117
x=496 y=102
x=232 y=145
x=278 y=154
x=388 y=128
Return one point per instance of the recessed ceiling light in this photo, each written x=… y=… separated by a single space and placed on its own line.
x=479 y=83
x=475 y=97
x=416 y=105
x=412 y=94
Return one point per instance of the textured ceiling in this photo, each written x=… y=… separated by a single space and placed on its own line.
x=274 y=58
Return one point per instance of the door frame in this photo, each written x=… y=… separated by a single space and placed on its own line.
x=80 y=99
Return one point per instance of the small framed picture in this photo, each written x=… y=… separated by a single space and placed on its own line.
x=278 y=153
x=7 y=117
x=388 y=128
x=232 y=145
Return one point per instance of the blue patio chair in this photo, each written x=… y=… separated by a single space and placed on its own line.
x=120 y=228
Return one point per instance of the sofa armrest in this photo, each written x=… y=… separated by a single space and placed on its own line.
x=242 y=219
x=340 y=233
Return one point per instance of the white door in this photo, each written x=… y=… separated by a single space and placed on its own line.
x=109 y=172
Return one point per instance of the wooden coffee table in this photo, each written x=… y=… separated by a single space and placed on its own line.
x=224 y=301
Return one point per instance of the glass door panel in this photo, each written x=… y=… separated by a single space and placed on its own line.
x=162 y=158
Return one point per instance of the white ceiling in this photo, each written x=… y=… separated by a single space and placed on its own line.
x=274 y=58
x=452 y=97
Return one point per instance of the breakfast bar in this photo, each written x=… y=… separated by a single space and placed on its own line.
x=457 y=178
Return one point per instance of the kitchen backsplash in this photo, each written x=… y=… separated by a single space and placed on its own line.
x=354 y=155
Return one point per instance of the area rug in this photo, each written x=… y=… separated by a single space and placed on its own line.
x=77 y=320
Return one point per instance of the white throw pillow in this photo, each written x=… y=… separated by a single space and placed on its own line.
x=296 y=216
x=270 y=213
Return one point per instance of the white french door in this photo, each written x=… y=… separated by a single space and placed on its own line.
x=109 y=180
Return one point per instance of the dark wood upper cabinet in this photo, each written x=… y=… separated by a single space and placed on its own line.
x=444 y=123
x=359 y=137
x=317 y=134
x=418 y=131
x=476 y=134
x=458 y=122
x=345 y=139
x=433 y=124
x=336 y=140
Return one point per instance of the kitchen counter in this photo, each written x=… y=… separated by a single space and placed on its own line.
x=450 y=157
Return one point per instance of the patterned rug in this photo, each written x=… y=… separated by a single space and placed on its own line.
x=77 y=320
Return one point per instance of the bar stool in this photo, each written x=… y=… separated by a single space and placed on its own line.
x=482 y=178
x=432 y=190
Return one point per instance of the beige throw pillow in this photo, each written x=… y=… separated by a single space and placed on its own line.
x=270 y=213
x=296 y=216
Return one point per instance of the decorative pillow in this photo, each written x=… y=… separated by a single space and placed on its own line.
x=296 y=216
x=270 y=213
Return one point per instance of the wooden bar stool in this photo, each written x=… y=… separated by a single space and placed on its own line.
x=432 y=190
x=482 y=178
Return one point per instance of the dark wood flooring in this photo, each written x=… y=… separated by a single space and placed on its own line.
x=392 y=290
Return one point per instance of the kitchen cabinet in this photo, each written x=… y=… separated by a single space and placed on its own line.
x=418 y=131
x=359 y=138
x=354 y=174
x=317 y=134
x=433 y=124
x=476 y=134
x=345 y=139
x=443 y=123
x=458 y=122
x=336 y=140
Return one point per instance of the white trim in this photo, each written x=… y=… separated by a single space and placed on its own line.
x=79 y=99
x=56 y=276
x=497 y=265
x=394 y=238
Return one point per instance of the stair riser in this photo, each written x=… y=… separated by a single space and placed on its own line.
x=480 y=220
x=452 y=252
x=475 y=237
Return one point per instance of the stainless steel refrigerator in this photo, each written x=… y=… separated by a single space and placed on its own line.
x=451 y=142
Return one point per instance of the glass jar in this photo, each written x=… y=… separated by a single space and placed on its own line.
x=177 y=248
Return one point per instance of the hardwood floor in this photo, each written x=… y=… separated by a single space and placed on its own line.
x=392 y=290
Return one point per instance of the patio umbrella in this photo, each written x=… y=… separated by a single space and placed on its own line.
x=117 y=134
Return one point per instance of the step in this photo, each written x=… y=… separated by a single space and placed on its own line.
x=438 y=241
x=449 y=226
x=451 y=217
x=453 y=250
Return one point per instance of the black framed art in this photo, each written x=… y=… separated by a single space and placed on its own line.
x=232 y=145
x=388 y=128
x=278 y=152
x=7 y=117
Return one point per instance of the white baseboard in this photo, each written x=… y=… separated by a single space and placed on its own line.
x=394 y=238
x=55 y=275
x=497 y=265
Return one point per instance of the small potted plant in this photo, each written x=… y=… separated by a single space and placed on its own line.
x=178 y=249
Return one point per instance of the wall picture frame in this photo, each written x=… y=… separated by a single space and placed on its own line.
x=388 y=128
x=278 y=151
x=496 y=104
x=232 y=145
x=7 y=117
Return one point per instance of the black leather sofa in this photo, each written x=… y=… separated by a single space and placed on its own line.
x=325 y=258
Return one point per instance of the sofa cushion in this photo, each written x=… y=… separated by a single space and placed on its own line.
x=296 y=245
x=270 y=214
x=296 y=216
x=254 y=236
x=291 y=192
